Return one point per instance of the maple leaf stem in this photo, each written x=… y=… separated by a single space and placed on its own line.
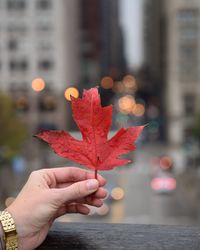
x=95 y=174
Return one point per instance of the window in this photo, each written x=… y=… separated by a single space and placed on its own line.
x=24 y=65
x=189 y=104
x=47 y=103
x=44 y=26
x=45 y=64
x=43 y=4
x=188 y=65
x=22 y=103
x=186 y=16
x=45 y=46
x=12 y=45
x=16 y=4
x=15 y=28
x=188 y=35
x=18 y=65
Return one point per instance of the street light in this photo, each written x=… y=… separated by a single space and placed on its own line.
x=71 y=91
x=38 y=84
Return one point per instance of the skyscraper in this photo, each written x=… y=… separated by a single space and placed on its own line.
x=153 y=71
x=172 y=56
x=182 y=69
x=101 y=41
x=102 y=46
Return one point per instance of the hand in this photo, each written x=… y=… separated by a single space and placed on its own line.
x=50 y=193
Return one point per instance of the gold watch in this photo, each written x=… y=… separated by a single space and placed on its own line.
x=10 y=232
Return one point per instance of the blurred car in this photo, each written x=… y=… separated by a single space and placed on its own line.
x=163 y=183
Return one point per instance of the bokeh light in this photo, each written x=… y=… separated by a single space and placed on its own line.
x=72 y=91
x=107 y=82
x=165 y=162
x=126 y=103
x=129 y=82
x=117 y=193
x=153 y=112
x=118 y=87
x=103 y=210
x=38 y=84
x=138 y=109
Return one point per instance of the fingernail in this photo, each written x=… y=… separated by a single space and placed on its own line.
x=92 y=184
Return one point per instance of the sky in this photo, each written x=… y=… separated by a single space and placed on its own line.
x=131 y=21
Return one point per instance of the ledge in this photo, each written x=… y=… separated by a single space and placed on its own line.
x=89 y=236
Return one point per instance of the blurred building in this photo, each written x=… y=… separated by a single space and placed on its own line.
x=152 y=73
x=102 y=47
x=39 y=39
x=153 y=45
x=182 y=69
x=172 y=60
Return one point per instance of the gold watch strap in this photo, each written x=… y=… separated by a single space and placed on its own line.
x=9 y=228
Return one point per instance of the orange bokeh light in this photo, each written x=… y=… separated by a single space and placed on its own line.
x=138 y=109
x=107 y=82
x=118 y=87
x=117 y=193
x=72 y=91
x=126 y=103
x=38 y=84
x=129 y=82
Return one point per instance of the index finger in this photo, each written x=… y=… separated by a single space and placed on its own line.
x=73 y=174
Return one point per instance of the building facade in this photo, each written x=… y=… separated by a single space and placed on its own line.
x=171 y=45
x=182 y=20
x=39 y=39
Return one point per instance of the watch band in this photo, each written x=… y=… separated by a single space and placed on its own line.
x=9 y=228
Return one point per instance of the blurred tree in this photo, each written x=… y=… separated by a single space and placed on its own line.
x=13 y=131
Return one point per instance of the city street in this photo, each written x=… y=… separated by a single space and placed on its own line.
x=141 y=204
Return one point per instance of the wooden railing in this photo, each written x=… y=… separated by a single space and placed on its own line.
x=87 y=236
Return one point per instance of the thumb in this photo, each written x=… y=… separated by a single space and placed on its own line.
x=79 y=190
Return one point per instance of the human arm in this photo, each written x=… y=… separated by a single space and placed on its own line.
x=48 y=194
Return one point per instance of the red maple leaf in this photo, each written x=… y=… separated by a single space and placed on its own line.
x=95 y=151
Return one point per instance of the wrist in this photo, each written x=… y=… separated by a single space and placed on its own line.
x=23 y=243
x=2 y=243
